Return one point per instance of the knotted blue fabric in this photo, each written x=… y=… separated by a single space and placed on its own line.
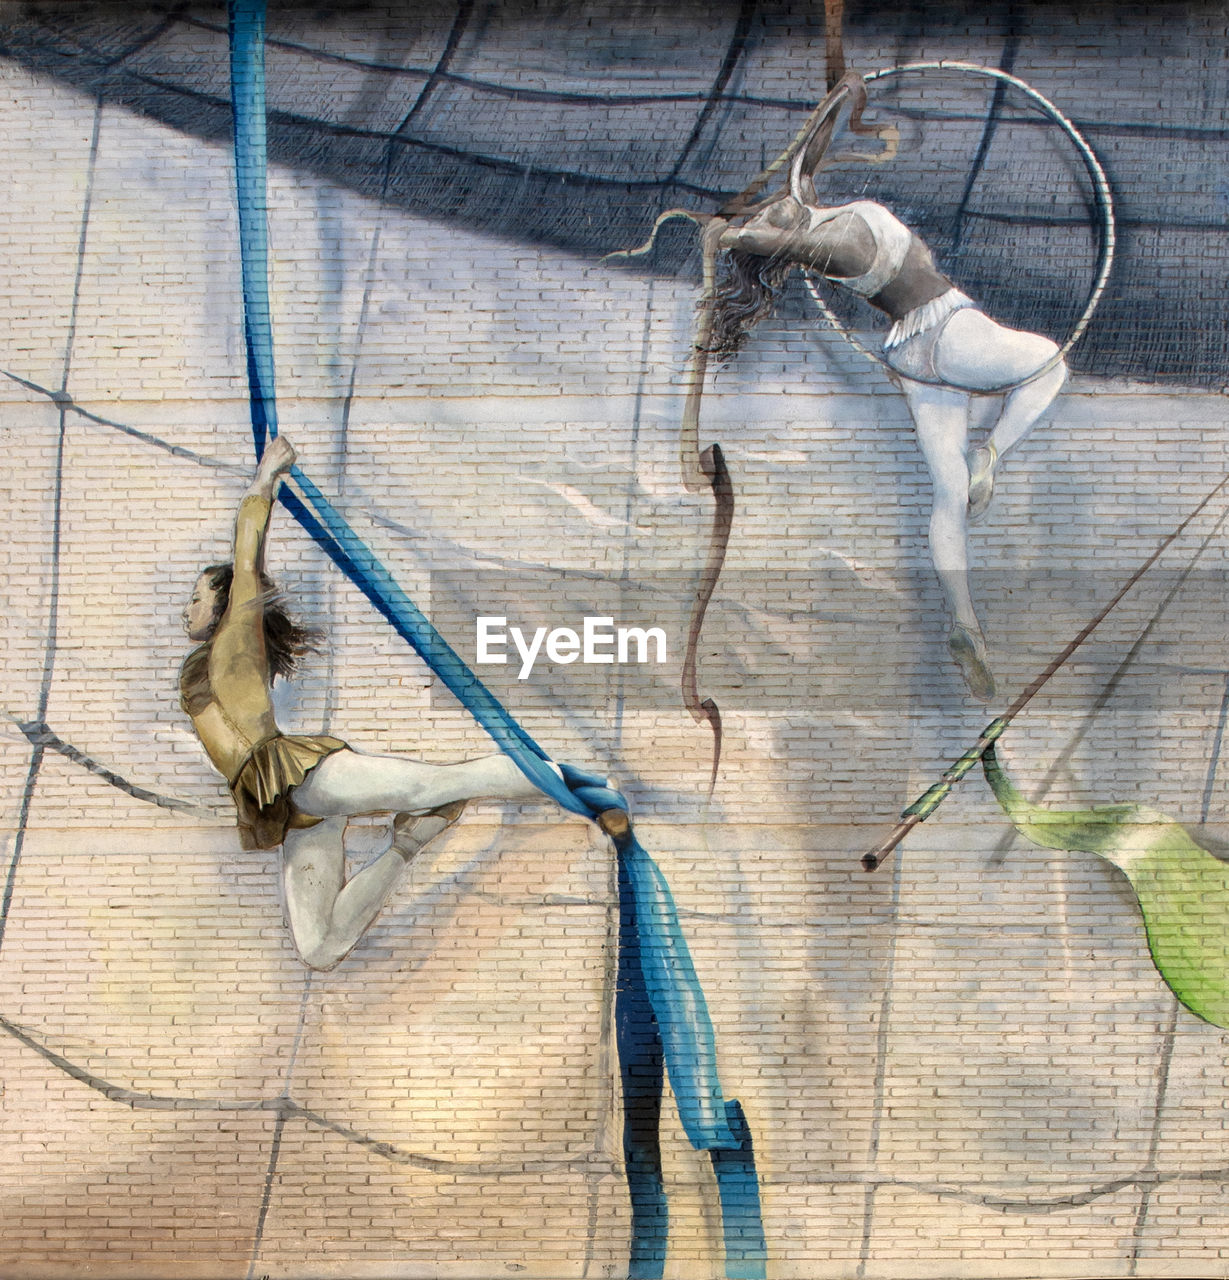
x=661 y=1016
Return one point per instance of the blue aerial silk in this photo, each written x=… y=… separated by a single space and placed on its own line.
x=662 y=1022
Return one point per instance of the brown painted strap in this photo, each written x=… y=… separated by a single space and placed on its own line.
x=695 y=478
x=708 y=470
x=702 y=471
x=814 y=134
x=712 y=463
x=834 y=40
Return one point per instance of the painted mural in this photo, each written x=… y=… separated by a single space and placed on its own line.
x=650 y=372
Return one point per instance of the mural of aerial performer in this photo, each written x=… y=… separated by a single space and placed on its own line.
x=942 y=347
x=300 y=791
x=423 y=1052
x=941 y=350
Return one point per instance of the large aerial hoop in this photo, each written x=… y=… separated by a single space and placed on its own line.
x=1107 y=234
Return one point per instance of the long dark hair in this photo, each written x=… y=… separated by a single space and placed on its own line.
x=747 y=287
x=287 y=642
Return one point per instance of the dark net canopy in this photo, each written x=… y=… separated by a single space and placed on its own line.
x=574 y=124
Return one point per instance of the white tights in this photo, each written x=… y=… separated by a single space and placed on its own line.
x=328 y=913
x=971 y=352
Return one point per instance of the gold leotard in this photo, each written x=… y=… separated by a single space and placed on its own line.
x=224 y=688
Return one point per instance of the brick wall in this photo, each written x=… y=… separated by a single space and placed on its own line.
x=964 y=1065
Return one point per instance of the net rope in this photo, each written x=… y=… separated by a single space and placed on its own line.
x=521 y=184
x=285 y=1108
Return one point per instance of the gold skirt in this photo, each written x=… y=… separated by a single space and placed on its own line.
x=262 y=787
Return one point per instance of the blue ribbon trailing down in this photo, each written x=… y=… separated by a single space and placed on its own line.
x=661 y=1016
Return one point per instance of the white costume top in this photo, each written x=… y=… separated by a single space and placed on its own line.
x=891 y=238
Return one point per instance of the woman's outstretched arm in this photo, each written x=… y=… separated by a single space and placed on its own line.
x=252 y=521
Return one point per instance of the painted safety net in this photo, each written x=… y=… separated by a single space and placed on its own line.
x=468 y=113
x=442 y=115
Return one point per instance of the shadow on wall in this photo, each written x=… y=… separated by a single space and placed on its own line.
x=504 y=119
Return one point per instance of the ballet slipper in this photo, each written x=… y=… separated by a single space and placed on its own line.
x=413 y=830
x=982 y=462
x=969 y=650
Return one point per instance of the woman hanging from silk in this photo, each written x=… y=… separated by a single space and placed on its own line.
x=300 y=791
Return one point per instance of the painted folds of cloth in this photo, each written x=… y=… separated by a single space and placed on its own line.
x=1182 y=889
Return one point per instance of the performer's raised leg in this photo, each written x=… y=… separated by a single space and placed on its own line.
x=941 y=417
x=347 y=783
x=329 y=914
x=976 y=352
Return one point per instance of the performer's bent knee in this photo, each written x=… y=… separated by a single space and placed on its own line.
x=320 y=955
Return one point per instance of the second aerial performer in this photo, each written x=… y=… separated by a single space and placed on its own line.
x=942 y=349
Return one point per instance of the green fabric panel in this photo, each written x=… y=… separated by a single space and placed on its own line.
x=1182 y=889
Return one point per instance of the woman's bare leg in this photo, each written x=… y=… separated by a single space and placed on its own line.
x=941 y=417
x=329 y=914
x=346 y=783
x=975 y=351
